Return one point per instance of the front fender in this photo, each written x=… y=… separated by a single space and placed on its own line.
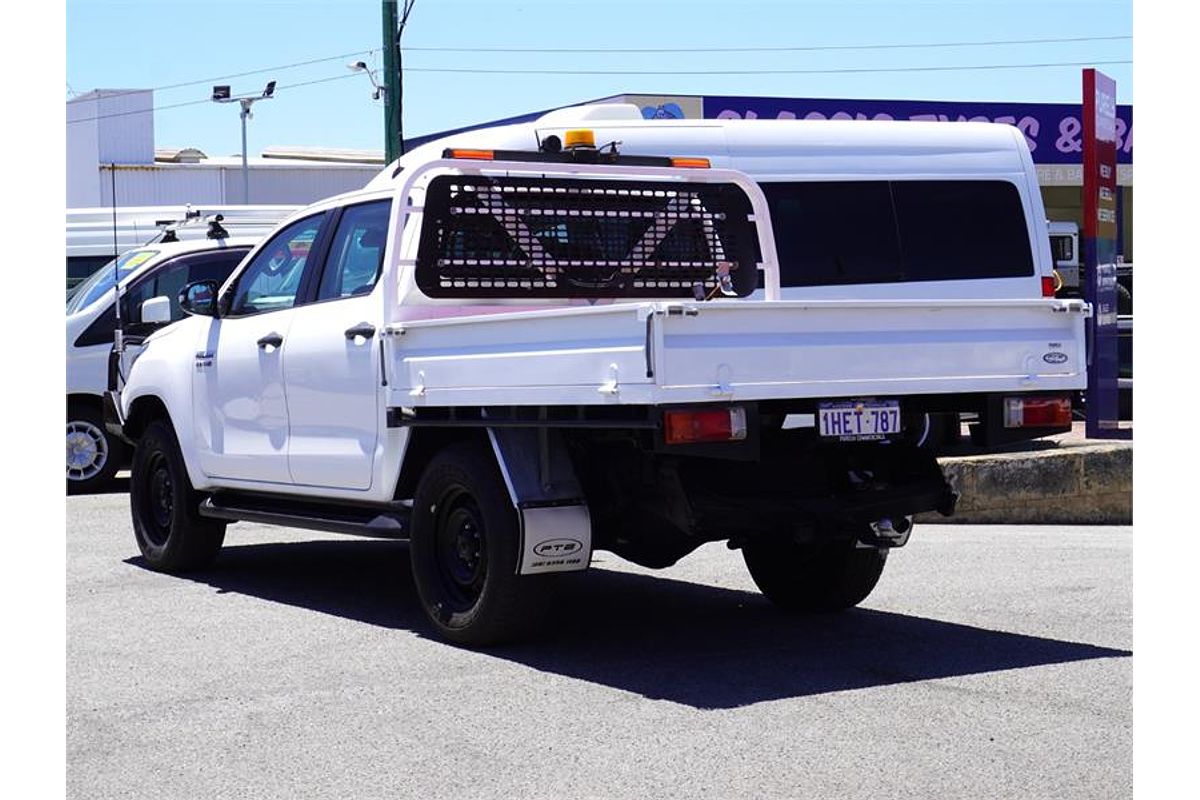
x=162 y=375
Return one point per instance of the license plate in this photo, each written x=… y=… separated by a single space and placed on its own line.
x=859 y=420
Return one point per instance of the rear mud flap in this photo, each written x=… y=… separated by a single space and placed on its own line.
x=555 y=539
x=556 y=527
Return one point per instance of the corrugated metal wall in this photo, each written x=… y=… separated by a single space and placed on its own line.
x=172 y=184
x=126 y=127
x=296 y=185
x=83 y=153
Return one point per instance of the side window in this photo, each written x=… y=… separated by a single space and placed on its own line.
x=101 y=331
x=962 y=229
x=849 y=232
x=170 y=278
x=356 y=254
x=217 y=266
x=270 y=282
x=830 y=233
x=140 y=292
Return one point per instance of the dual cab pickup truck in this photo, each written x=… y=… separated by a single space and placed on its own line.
x=511 y=358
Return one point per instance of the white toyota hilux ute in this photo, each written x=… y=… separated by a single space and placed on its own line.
x=516 y=351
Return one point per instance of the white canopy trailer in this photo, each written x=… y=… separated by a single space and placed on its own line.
x=512 y=357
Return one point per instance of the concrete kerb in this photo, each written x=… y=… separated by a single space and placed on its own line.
x=1068 y=482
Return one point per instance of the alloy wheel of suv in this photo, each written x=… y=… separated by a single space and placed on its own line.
x=87 y=450
x=93 y=457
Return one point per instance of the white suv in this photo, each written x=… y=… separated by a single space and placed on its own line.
x=93 y=456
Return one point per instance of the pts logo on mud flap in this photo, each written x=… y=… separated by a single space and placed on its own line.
x=558 y=548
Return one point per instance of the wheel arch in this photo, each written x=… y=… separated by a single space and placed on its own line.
x=83 y=400
x=144 y=410
x=423 y=445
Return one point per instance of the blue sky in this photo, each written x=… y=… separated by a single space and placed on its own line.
x=142 y=44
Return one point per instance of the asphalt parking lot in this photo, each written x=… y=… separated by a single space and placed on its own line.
x=991 y=661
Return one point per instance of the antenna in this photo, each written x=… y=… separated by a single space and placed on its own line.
x=118 y=339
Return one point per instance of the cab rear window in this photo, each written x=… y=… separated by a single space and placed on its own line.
x=847 y=232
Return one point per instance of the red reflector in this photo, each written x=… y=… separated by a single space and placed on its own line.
x=1047 y=286
x=715 y=425
x=1036 y=412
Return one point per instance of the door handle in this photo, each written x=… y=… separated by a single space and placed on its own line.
x=364 y=329
x=270 y=340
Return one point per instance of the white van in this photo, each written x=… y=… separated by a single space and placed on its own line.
x=861 y=209
x=1064 y=245
x=157 y=270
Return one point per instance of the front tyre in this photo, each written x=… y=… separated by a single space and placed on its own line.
x=465 y=550
x=830 y=576
x=170 y=532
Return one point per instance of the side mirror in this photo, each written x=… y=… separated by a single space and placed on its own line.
x=199 y=298
x=156 y=311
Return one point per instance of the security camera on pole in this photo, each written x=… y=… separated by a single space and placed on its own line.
x=221 y=94
x=361 y=66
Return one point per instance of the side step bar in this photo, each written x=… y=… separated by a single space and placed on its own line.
x=377 y=522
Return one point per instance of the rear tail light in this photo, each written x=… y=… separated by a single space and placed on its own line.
x=709 y=425
x=1047 y=286
x=1036 y=412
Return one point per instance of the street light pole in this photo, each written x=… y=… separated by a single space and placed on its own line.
x=245 y=167
x=221 y=94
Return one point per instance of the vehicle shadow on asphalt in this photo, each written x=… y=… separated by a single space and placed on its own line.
x=699 y=645
x=114 y=486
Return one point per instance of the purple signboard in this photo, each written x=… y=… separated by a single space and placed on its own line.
x=1099 y=250
x=1054 y=131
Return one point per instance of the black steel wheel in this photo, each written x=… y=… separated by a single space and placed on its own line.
x=465 y=551
x=830 y=576
x=170 y=532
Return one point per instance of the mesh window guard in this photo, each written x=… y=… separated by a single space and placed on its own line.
x=563 y=237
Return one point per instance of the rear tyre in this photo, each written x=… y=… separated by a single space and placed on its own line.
x=170 y=532
x=93 y=456
x=465 y=551
x=815 y=577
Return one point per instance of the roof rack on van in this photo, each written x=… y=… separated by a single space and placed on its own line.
x=215 y=229
x=190 y=217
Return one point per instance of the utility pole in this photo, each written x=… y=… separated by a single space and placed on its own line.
x=393 y=96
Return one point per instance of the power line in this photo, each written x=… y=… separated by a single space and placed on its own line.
x=206 y=100
x=812 y=48
x=471 y=71
x=278 y=68
x=964 y=67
